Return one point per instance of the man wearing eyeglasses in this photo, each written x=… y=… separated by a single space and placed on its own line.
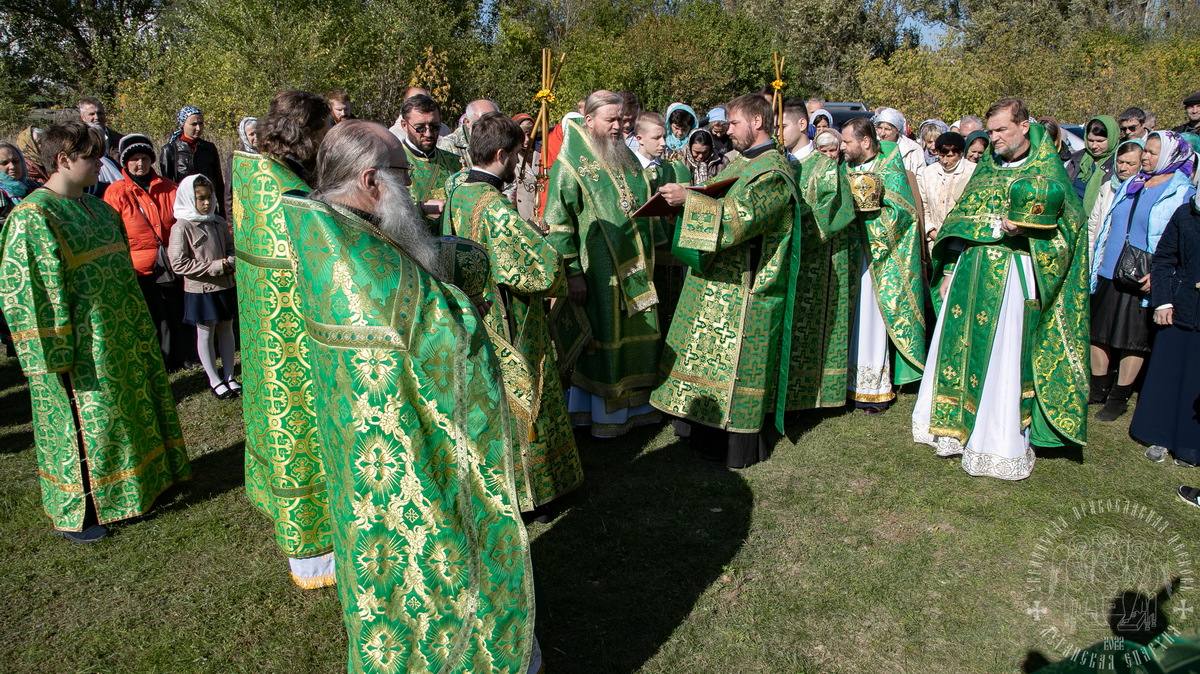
x=418 y=129
x=1132 y=123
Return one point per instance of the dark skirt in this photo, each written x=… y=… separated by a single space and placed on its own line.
x=210 y=308
x=1168 y=409
x=1119 y=320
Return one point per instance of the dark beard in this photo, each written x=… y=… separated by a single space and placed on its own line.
x=614 y=155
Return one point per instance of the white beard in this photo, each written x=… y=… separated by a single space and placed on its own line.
x=614 y=155
x=400 y=221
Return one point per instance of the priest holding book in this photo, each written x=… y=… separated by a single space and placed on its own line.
x=732 y=329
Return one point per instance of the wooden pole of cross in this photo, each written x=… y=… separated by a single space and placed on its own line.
x=544 y=96
x=777 y=98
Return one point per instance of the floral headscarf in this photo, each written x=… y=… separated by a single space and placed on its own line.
x=1175 y=155
x=245 y=135
x=184 y=112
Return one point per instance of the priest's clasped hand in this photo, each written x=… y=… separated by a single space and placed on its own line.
x=1010 y=229
x=674 y=193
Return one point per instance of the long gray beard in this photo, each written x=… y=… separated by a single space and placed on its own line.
x=400 y=221
x=614 y=155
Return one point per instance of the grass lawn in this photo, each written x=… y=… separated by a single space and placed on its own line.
x=851 y=550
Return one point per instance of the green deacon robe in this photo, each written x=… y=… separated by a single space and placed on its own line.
x=429 y=177
x=827 y=285
x=669 y=272
x=893 y=240
x=284 y=475
x=723 y=348
x=431 y=556
x=78 y=320
x=525 y=269
x=1055 y=354
x=588 y=210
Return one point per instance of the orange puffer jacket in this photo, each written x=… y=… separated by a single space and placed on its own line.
x=145 y=214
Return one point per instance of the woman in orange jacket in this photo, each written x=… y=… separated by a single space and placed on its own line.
x=146 y=203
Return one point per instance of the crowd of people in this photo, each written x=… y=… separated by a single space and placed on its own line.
x=429 y=316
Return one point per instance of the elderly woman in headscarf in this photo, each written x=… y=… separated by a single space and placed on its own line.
x=978 y=143
x=928 y=134
x=1093 y=166
x=248 y=134
x=27 y=143
x=188 y=153
x=1121 y=267
x=681 y=119
x=829 y=143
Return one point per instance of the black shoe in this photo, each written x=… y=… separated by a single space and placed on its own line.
x=1101 y=385
x=222 y=391
x=234 y=391
x=89 y=534
x=1190 y=495
x=1117 y=404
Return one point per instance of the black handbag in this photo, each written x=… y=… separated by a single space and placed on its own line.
x=1133 y=263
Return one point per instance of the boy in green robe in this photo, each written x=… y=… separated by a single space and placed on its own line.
x=732 y=330
x=595 y=186
x=104 y=421
x=887 y=344
x=525 y=269
x=1010 y=352
x=432 y=557
x=285 y=477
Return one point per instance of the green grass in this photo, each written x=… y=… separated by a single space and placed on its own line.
x=851 y=550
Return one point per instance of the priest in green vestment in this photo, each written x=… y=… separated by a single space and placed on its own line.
x=104 y=421
x=432 y=557
x=595 y=186
x=827 y=286
x=1009 y=359
x=887 y=344
x=729 y=348
x=429 y=166
x=285 y=479
x=525 y=269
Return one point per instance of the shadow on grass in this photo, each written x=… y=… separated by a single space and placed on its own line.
x=186 y=383
x=213 y=474
x=641 y=542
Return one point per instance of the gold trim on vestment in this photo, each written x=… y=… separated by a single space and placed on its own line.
x=284 y=263
x=871 y=398
x=315 y=581
x=69 y=487
x=81 y=259
x=113 y=478
x=38 y=333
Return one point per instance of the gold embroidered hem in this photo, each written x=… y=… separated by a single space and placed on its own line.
x=315 y=582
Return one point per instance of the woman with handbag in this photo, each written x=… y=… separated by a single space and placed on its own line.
x=1121 y=280
x=146 y=203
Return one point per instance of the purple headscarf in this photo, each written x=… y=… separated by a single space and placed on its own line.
x=1175 y=155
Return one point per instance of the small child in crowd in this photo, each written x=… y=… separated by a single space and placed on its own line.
x=201 y=251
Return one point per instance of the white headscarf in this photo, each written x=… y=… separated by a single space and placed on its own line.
x=185 y=202
x=891 y=116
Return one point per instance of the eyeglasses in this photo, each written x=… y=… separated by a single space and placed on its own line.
x=1130 y=129
x=404 y=169
x=422 y=128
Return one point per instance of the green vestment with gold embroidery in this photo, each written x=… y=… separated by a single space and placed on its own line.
x=284 y=475
x=431 y=555
x=1055 y=352
x=429 y=178
x=669 y=272
x=588 y=208
x=892 y=237
x=84 y=338
x=826 y=288
x=722 y=353
x=525 y=269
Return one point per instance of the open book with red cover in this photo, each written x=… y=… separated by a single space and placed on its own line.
x=657 y=206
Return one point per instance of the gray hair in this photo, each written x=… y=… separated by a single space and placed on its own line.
x=349 y=149
x=473 y=112
x=599 y=99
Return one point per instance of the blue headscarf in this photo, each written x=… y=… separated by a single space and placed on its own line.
x=184 y=112
x=16 y=188
x=673 y=143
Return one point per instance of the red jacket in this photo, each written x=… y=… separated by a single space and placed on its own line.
x=145 y=214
